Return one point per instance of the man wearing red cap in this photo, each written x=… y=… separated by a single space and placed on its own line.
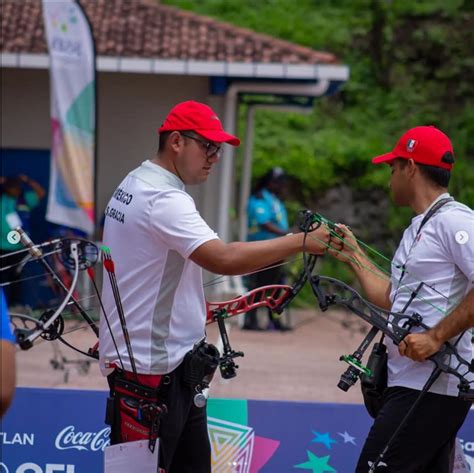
x=160 y=244
x=437 y=249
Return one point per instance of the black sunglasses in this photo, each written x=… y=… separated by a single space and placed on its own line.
x=211 y=148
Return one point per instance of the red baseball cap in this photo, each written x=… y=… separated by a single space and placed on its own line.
x=423 y=144
x=198 y=117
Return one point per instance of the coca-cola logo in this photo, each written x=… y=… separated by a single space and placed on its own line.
x=68 y=439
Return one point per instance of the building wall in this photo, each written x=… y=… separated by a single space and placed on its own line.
x=25 y=109
x=131 y=107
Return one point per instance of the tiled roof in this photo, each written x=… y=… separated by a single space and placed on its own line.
x=146 y=29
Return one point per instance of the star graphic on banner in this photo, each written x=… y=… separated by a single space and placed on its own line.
x=316 y=464
x=347 y=438
x=325 y=439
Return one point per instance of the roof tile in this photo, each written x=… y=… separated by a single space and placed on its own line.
x=144 y=28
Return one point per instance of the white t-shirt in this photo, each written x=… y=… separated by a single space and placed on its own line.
x=442 y=258
x=151 y=227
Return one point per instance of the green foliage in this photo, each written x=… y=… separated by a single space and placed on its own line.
x=411 y=64
x=316 y=24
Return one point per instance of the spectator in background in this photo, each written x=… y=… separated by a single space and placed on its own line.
x=7 y=358
x=18 y=196
x=267 y=219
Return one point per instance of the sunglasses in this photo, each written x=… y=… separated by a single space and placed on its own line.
x=211 y=148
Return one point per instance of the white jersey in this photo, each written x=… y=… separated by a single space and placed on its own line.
x=151 y=227
x=442 y=257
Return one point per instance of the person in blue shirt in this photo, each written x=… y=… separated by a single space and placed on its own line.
x=267 y=219
x=19 y=195
x=7 y=358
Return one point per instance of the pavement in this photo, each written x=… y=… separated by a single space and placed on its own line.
x=298 y=365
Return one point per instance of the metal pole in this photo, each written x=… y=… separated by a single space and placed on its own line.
x=246 y=173
x=227 y=167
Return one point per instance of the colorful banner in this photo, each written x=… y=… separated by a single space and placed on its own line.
x=73 y=116
x=60 y=430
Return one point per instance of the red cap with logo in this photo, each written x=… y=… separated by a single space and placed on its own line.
x=425 y=145
x=198 y=117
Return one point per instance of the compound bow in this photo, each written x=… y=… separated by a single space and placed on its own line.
x=76 y=254
x=396 y=326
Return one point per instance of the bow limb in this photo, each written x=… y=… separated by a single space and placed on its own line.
x=87 y=254
x=308 y=267
x=394 y=325
x=448 y=356
x=76 y=254
x=26 y=337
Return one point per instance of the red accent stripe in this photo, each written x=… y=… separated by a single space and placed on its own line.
x=150 y=380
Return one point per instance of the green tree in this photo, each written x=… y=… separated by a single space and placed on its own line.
x=411 y=63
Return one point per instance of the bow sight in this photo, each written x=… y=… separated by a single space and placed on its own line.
x=227 y=366
x=88 y=253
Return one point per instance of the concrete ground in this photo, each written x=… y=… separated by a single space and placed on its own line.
x=299 y=365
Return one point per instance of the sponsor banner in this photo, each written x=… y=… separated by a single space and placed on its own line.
x=49 y=430
x=56 y=430
x=73 y=116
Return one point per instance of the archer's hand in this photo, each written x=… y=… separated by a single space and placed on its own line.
x=348 y=246
x=317 y=241
x=336 y=241
x=419 y=346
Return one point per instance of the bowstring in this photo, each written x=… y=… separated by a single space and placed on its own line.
x=385 y=276
x=31 y=259
x=24 y=263
x=39 y=245
x=220 y=279
x=393 y=267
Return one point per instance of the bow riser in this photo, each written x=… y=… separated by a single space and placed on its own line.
x=271 y=296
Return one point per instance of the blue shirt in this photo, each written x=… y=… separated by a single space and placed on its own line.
x=6 y=331
x=8 y=206
x=265 y=208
